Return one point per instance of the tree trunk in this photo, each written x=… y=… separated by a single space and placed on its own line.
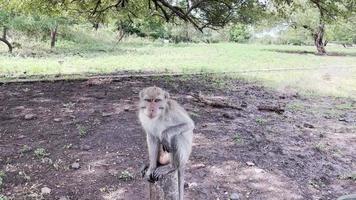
x=166 y=188
x=4 y=33
x=120 y=35
x=96 y=26
x=53 y=37
x=318 y=40
x=4 y=40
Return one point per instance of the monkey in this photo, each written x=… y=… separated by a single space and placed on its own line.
x=169 y=135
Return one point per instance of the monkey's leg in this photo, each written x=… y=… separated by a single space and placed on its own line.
x=153 y=150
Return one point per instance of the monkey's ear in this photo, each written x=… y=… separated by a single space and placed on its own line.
x=166 y=95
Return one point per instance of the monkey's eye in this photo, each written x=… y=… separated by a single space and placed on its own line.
x=148 y=100
x=158 y=100
x=143 y=107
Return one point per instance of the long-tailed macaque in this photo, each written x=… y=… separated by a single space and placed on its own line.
x=169 y=131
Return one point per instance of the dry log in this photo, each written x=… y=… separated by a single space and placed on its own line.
x=269 y=108
x=215 y=102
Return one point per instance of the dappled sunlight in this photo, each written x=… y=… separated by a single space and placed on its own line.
x=115 y=195
x=271 y=185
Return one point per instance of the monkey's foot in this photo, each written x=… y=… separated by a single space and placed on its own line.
x=146 y=175
x=161 y=171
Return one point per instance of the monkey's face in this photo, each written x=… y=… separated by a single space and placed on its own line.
x=153 y=101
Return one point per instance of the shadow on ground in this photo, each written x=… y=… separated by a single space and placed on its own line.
x=302 y=52
x=305 y=153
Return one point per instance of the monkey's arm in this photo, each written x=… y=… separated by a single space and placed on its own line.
x=153 y=149
x=171 y=131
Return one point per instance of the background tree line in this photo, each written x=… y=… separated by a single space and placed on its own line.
x=298 y=22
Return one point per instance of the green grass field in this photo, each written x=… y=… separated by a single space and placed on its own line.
x=327 y=75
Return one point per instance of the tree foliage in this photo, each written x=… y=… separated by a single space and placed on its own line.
x=239 y=33
x=314 y=15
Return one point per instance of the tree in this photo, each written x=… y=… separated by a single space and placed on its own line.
x=343 y=32
x=4 y=24
x=328 y=11
x=239 y=33
x=51 y=14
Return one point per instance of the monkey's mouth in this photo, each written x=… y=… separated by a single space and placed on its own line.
x=151 y=116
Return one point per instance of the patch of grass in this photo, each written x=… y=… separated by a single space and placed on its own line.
x=320 y=147
x=295 y=106
x=237 y=138
x=68 y=146
x=2 y=175
x=318 y=184
x=82 y=58
x=82 y=130
x=125 y=176
x=345 y=106
x=260 y=121
x=25 y=149
x=41 y=153
x=2 y=197
x=348 y=176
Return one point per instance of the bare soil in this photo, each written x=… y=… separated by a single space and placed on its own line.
x=306 y=152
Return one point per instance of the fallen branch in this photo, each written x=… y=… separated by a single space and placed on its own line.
x=214 y=102
x=276 y=109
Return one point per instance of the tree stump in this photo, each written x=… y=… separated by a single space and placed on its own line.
x=166 y=188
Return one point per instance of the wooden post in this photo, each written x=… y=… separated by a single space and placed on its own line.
x=166 y=188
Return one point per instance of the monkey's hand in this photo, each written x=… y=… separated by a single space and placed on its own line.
x=147 y=174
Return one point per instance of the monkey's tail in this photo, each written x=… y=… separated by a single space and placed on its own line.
x=181 y=182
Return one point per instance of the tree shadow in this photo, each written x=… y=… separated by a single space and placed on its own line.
x=304 y=52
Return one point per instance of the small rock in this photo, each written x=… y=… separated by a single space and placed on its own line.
x=63 y=198
x=204 y=125
x=192 y=185
x=327 y=117
x=126 y=108
x=30 y=116
x=57 y=119
x=307 y=125
x=107 y=114
x=234 y=196
x=45 y=190
x=249 y=163
x=258 y=170
x=228 y=116
x=239 y=115
x=243 y=104
x=75 y=165
x=198 y=166
x=32 y=196
x=21 y=137
x=85 y=147
x=47 y=161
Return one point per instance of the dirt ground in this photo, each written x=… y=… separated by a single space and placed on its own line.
x=306 y=152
